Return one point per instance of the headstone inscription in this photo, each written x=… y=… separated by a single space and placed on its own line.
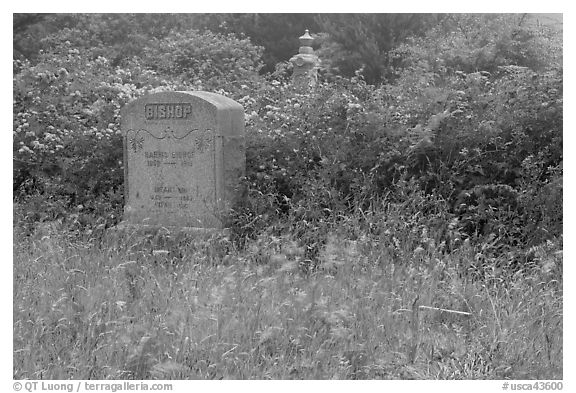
x=184 y=156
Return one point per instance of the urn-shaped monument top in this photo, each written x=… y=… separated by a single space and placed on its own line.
x=306 y=39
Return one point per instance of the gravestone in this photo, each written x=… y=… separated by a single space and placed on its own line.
x=184 y=157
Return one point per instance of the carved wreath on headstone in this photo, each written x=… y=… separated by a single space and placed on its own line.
x=137 y=142
x=202 y=142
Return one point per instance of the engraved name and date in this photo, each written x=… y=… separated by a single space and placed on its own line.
x=178 y=111
x=174 y=197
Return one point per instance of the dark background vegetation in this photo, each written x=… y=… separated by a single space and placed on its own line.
x=463 y=112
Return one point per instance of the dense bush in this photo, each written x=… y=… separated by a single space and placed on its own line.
x=118 y=37
x=488 y=144
x=206 y=61
x=362 y=42
x=277 y=33
x=67 y=142
x=482 y=134
x=482 y=42
x=500 y=132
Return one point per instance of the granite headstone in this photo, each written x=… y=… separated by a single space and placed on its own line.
x=184 y=157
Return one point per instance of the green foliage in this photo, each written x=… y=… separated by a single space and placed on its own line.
x=486 y=141
x=482 y=42
x=362 y=41
x=207 y=61
x=140 y=306
x=117 y=37
x=276 y=33
x=486 y=128
x=30 y=28
x=67 y=141
x=496 y=136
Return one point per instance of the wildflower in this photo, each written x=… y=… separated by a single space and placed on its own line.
x=418 y=251
x=25 y=149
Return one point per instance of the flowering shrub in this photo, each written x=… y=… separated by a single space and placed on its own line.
x=486 y=144
x=496 y=136
x=482 y=42
x=67 y=141
x=495 y=128
x=206 y=61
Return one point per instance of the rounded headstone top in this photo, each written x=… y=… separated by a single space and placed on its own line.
x=306 y=39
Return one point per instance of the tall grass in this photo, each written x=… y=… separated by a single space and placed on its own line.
x=144 y=306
